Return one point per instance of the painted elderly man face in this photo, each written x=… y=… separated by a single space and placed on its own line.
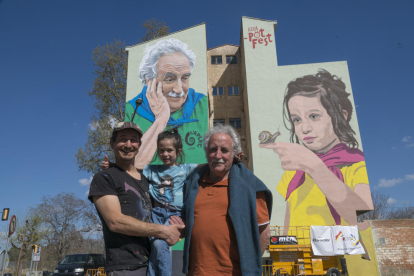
x=174 y=71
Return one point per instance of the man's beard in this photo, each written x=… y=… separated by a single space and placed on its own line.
x=172 y=94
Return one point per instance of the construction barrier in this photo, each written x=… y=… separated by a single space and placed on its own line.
x=96 y=272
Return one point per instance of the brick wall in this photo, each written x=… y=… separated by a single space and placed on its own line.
x=394 y=245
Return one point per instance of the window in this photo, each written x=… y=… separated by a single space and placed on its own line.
x=235 y=122
x=232 y=90
x=218 y=122
x=231 y=59
x=216 y=60
x=218 y=91
x=98 y=259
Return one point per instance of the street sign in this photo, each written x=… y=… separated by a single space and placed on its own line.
x=12 y=225
x=36 y=255
x=6 y=262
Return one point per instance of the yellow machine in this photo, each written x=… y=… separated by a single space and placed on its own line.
x=291 y=254
x=96 y=272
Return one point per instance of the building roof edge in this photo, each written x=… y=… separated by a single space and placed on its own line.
x=222 y=46
x=126 y=48
x=274 y=21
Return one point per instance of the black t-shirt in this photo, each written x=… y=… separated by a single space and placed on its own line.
x=122 y=251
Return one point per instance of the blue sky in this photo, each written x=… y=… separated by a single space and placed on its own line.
x=46 y=71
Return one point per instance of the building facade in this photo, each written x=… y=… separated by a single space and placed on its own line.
x=290 y=118
x=263 y=105
x=226 y=86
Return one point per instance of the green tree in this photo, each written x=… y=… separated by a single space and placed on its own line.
x=109 y=91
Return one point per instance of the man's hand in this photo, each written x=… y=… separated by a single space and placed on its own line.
x=106 y=164
x=158 y=103
x=239 y=157
x=176 y=220
x=172 y=233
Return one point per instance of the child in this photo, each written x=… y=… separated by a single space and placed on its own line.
x=166 y=187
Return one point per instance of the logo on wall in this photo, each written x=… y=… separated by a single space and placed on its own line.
x=341 y=236
x=321 y=240
x=257 y=36
x=283 y=240
x=192 y=138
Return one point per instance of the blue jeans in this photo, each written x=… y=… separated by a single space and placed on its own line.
x=160 y=256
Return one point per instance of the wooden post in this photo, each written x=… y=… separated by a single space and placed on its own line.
x=21 y=249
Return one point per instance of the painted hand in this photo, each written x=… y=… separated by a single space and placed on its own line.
x=158 y=103
x=294 y=157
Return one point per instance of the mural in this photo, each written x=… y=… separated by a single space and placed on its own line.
x=167 y=99
x=325 y=180
x=324 y=169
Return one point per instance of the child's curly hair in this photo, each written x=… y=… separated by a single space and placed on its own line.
x=333 y=97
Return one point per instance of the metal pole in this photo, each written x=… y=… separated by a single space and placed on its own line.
x=138 y=102
x=31 y=262
x=5 y=254
x=21 y=249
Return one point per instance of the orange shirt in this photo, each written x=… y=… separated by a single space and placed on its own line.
x=213 y=247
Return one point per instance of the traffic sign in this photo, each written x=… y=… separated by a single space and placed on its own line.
x=36 y=254
x=2 y=261
x=12 y=225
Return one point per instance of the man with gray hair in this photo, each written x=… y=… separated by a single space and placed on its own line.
x=227 y=212
x=168 y=100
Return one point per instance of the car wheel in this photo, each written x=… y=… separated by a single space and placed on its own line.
x=333 y=271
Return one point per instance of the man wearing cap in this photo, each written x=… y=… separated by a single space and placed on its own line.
x=121 y=198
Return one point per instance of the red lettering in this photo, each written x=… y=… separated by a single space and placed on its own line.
x=250 y=36
x=266 y=42
x=268 y=36
x=260 y=40
x=254 y=43
x=261 y=32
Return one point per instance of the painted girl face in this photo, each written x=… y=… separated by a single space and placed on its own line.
x=313 y=125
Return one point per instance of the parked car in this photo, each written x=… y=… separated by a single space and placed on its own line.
x=8 y=274
x=78 y=264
